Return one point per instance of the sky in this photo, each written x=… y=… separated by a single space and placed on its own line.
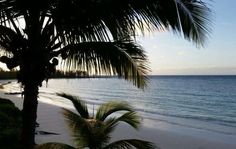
x=170 y=54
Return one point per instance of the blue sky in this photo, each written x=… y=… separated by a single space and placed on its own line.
x=170 y=54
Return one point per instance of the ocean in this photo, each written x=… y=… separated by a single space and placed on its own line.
x=204 y=103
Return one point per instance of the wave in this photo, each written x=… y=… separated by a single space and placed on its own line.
x=191 y=126
x=98 y=101
x=209 y=101
x=154 y=115
x=229 y=123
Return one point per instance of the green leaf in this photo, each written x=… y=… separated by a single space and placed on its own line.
x=53 y=145
x=79 y=105
x=131 y=118
x=130 y=144
x=109 y=108
x=79 y=126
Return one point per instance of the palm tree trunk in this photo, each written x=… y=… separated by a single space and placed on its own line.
x=29 y=115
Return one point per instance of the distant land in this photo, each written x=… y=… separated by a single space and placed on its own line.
x=81 y=74
x=58 y=74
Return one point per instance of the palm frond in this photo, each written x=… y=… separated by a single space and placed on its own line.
x=112 y=20
x=96 y=135
x=87 y=132
x=73 y=22
x=130 y=144
x=10 y=40
x=123 y=19
x=11 y=45
x=110 y=125
x=194 y=20
x=53 y=145
x=109 y=108
x=79 y=126
x=79 y=105
x=123 y=58
x=130 y=118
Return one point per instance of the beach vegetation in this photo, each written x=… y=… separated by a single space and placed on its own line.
x=96 y=36
x=93 y=130
x=10 y=125
x=58 y=74
x=8 y=74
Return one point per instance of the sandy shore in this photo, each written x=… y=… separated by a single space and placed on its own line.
x=51 y=120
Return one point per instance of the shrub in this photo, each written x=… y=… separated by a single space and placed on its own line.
x=10 y=126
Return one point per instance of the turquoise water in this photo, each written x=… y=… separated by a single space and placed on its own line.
x=200 y=102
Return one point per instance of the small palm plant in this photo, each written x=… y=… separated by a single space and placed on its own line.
x=93 y=131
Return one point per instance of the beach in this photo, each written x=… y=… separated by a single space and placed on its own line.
x=50 y=120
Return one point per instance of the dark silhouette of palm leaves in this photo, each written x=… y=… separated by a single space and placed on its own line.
x=54 y=145
x=94 y=131
x=98 y=41
x=79 y=105
x=124 y=58
x=122 y=144
x=96 y=36
x=129 y=143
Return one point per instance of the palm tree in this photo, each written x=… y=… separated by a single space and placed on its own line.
x=93 y=131
x=96 y=36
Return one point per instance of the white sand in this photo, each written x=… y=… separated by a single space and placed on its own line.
x=172 y=140
x=51 y=120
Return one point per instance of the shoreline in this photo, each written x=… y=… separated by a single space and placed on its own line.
x=163 y=134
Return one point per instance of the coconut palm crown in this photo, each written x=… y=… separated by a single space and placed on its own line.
x=96 y=36
x=94 y=131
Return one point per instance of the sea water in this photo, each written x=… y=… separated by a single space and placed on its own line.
x=206 y=103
